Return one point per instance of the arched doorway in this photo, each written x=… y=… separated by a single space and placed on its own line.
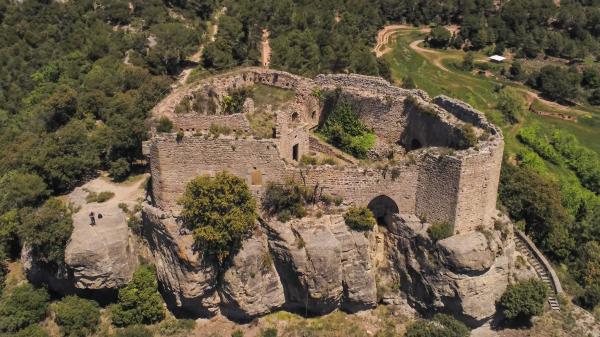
x=383 y=207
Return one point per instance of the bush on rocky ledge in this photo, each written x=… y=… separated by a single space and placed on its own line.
x=439 y=231
x=360 y=218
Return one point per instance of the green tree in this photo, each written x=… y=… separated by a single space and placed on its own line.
x=468 y=62
x=557 y=83
x=221 y=211
x=439 y=37
x=360 y=218
x=77 y=317
x=119 y=169
x=511 y=104
x=20 y=190
x=440 y=326
x=139 y=301
x=47 y=230
x=22 y=306
x=524 y=299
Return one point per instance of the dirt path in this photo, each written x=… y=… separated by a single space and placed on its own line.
x=209 y=36
x=386 y=34
x=266 y=49
x=436 y=61
x=169 y=102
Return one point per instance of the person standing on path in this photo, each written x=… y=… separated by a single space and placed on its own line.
x=92 y=219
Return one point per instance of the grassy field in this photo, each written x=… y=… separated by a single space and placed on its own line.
x=481 y=91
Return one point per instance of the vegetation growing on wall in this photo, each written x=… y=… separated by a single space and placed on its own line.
x=343 y=128
x=220 y=211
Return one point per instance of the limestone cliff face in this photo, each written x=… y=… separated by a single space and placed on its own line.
x=319 y=265
x=464 y=274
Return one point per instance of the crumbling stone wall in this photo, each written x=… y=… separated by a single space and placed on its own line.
x=454 y=185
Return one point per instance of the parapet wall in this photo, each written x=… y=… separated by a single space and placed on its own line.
x=442 y=184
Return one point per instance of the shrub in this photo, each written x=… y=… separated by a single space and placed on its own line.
x=221 y=211
x=344 y=129
x=285 y=200
x=139 y=301
x=469 y=137
x=237 y=333
x=440 y=326
x=119 y=169
x=329 y=161
x=439 y=231
x=234 y=102
x=511 y=104
x=164 y=125
x=218 y=129
x=31 y=331
x=269 y=332
x=134 y=331
x=591 y=296
x=172 y=327
x=524 y=299
x=468 y=62
x=47 y=231
x=99 y=197
x=360 y=218
x=22 y=306
x=179 y=136
x=20 y=190
x=77 y=317
x=308 y=160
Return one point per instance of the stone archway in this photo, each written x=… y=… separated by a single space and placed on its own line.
x=383 y=207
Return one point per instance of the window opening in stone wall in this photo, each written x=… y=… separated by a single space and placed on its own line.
x=313 y=115
x=255 y=177
x=295 y=117
x=274 y=133
x=295 y=152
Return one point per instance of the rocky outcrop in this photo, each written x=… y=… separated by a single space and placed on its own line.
x=188 y=281
x=317 y=265
x=464 y=274
x=314 y=265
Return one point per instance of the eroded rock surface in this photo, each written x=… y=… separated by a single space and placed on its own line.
x=101 y=258
x=319 y=265
x=464 y=274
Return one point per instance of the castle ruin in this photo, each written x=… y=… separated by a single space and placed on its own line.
x=437 y=173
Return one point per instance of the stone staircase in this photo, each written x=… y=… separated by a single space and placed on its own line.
x=541 y=266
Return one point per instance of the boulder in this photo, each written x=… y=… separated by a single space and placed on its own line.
x=102 y=256
x=467 y=253
x=251 y=285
